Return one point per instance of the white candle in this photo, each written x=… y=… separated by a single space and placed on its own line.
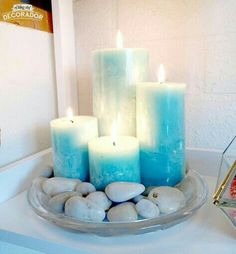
x=70 y=136
x=113 y=158
x=115 y=74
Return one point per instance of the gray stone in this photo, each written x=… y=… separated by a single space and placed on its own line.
x=123 y=191
x=147 y=209
x=168 y=199
x=83 y=209
x=57 y=202
x=100 y=199
x=56 y=185
x=138 y=198
x=123 y=212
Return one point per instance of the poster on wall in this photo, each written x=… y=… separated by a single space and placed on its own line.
x=36 y=14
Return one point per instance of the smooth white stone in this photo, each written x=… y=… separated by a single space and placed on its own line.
x=168 y=199
x=123 y=191
x=85 y=188
x=56 y=185
x=187 y=186
x=147 y=209
x=83 y=209
x=123 y=212
x=100 y=199
x=138 y=198
x=57 y=203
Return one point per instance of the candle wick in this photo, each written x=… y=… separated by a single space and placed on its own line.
x=114 y=143
x=72 y=121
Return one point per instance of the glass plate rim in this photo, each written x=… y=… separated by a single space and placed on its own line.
x=139 y=226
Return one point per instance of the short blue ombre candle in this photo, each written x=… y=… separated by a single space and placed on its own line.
x=160 y=130
x=70 y=136
x=112 y=161
x=115 y=74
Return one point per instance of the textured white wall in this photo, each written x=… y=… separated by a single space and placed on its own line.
x=194 y=39
x=27 y=91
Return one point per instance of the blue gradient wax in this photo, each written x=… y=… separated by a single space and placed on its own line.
x=70 y=145
x=111 y=161
x=161 y=132
x=115 y=74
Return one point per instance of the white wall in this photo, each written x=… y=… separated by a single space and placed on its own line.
x=27 y=91
x=194 y=39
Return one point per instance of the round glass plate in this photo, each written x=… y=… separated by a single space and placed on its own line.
x=196 y=197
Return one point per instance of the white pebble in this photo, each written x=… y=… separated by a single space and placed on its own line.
x=56 y=185
x=83 y=209
x=85 y=188
x=168 y=199
x=123 y=212
x=100 y=199
x=123 y=191
x=138 y=198
x=147 y=209
x=57 y=203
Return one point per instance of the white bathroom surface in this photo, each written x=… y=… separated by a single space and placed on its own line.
x=207 y=231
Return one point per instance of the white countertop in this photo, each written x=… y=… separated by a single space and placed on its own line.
x=206 y=232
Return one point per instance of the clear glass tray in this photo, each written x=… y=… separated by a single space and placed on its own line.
x=197 y=196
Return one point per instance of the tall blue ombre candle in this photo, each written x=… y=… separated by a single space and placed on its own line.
x=113 y=158
x=115 y=74
x=70 y=136
x=160 y=130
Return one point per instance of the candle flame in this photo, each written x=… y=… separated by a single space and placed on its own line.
x=114 y=132
x=119 y=40
x=161 y=74
x=70 y=114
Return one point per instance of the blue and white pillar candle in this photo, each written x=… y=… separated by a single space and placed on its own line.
x=70 y=136
x=115 y=74
x=112 y=161
x=161 y=132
